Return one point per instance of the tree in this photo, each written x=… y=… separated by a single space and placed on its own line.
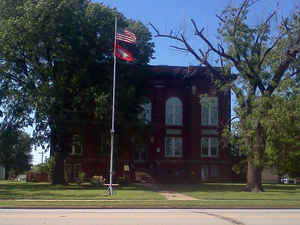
x=56 y=65
x=283 y=129
x=15 y=150
x=261 y=56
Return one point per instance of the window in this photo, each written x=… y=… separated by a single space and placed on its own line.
x=173 y=111
x=140 y=153
x=209 y=146
x=173 y=146
x=146 y=112
x=209 y=111
x=76 y=145
x=76 y=171
x=214 y=171
x=204 y=172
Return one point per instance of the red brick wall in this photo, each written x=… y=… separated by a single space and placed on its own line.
x=160 y=89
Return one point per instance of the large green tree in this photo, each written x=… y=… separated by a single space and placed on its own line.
x=56 y=66
x=283 y=133
x=15 y=150
x=261 y=56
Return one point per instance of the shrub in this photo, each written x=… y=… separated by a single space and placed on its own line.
x=81 y=176
x=97 y=180
x=51 y=172
x=67 y=177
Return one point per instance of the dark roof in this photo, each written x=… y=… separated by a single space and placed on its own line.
x=177 y=71
x=187 y=72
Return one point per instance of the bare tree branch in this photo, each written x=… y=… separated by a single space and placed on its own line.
x=171 y=36
x=179 y=48
x=269 y=50
x=237 y=17
x=267 y=21
x=295 y=73
x=290 y=57
x=200 y=34
x=220 y=18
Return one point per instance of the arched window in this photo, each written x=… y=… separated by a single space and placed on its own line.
x=173 y=111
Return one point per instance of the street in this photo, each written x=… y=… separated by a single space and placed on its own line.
x=149 y=216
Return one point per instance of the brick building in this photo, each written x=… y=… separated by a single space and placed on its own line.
x=185 y=114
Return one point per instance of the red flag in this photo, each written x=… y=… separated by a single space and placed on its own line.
x=126 y=36
x=122 y=53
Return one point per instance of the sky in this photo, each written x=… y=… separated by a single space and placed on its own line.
x=175 y=15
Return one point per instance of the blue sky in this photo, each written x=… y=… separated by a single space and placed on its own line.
x=176 y=15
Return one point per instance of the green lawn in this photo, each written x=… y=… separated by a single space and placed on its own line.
x=221 y=191
x=209 y=195
x=45 y=191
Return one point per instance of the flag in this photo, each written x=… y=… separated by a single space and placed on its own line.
x=126 y=36
x=122 y=53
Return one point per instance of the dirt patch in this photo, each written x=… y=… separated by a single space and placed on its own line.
x=171 y=195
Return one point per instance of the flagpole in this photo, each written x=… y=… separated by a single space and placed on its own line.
x=113 y=116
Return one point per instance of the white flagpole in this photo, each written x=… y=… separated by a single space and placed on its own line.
x=113 y=116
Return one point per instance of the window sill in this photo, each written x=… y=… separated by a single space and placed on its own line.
x=76 y=154
x=173 y=157
x=208 y=156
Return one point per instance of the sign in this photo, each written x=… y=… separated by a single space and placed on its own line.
x=126 y=167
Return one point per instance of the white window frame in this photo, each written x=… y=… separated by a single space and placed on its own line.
x=76 y=140
x=174 y=111
x=212 y=104
x=210 y=146
x=146 y=113
x=173 y=152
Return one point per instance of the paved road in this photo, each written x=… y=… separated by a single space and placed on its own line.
x=148 y=217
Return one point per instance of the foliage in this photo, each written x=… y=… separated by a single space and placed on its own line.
x=283 y=128
x=97 y=180
x=263 y=57
x=15 y=150
x=51 y=165
x=60 y=55
x=81 y=176
x=41 y=168
x=66 y=175
x=56 y=66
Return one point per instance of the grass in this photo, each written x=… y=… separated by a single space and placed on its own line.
x=221 y=191
x=45 y=191
x=150 y=204
x=209 y=195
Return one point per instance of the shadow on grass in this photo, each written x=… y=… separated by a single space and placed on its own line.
x=14 y=190
x=224 y=187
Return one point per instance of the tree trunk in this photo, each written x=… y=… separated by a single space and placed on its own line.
x=58 y=175
x=59 y=167
x=254 y=173
x=256 y=161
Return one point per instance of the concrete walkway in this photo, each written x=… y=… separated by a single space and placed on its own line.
x=172 y=195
